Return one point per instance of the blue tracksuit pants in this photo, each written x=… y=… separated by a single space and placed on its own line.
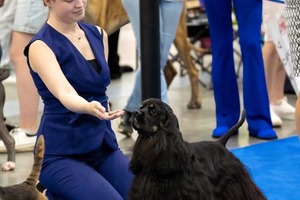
x=255 y=96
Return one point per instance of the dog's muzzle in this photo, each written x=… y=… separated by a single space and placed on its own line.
x=135 y=120
x=141 y=123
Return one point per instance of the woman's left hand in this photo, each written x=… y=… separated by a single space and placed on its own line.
x=95 y=108
x=113 y=114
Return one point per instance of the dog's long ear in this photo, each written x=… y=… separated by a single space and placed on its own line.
x=170 y=118
x=166 y=122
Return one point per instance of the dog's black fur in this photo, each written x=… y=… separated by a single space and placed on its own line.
x=168 y=168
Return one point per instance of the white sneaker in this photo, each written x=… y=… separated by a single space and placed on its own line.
x=283 y=109
x=23 y=141
x=276 y=121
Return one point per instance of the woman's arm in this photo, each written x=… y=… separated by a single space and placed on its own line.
x=43 y=62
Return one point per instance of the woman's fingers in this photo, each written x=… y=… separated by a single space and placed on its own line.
x=100 y=112
x=110 y=115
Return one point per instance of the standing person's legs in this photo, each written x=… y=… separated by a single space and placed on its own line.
x=30 y=16
x=169 y=17
x=223 y=72
x=116 y=69
x=132 y=8
x=27 y=94
x=275 y=73
x=292 y=11
x=274 y=79
x=113 y=57
x=133 y=11
x=256 y=101
x=7 y=14
x=274 y=69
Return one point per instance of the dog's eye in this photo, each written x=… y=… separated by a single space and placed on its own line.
x=152 y=111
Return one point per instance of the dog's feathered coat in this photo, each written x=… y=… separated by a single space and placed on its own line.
x=168 y=168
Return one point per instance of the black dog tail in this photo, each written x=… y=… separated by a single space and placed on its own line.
x=223 y=140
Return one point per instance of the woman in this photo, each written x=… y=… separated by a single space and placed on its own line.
x=68 y=63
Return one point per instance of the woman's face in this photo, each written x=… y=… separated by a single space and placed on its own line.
x=67 y=10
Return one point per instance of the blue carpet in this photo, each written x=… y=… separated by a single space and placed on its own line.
x=274 y=167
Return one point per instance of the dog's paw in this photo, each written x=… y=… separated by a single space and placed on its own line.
x=194 y=104
x=8 y=166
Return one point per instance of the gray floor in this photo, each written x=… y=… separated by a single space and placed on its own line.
x=196 y=125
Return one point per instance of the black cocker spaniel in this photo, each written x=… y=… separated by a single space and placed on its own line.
x=168 y=168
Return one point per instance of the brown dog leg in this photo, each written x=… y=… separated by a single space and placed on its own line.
x=169 y=72
x=183 y=48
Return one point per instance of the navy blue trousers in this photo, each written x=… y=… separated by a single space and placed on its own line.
x=99 y=175
x=226 y=94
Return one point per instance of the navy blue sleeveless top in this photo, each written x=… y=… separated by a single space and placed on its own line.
x=66 y=132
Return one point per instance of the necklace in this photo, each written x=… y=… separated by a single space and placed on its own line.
x=73 y=35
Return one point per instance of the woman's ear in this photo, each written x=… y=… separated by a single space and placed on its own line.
x=47 y=2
